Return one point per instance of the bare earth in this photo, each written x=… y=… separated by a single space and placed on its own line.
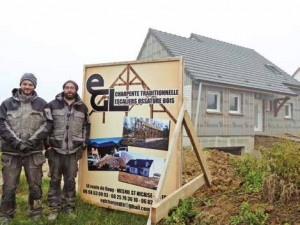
x=222 y=201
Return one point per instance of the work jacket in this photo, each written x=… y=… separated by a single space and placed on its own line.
x=71 y=125
x=23 y=118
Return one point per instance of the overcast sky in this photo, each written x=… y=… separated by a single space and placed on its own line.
x=54 y=39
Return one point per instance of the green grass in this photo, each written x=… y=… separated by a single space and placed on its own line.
x=87 y=214
x=183 y=214
x=247 y=216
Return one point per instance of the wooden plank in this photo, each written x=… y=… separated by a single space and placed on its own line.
x=161 y=209
x=292 y=135
x=171 y=147
x=173 y=141
x=149 y=219
x=190 y=130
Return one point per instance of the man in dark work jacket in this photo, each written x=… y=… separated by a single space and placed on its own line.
x=67 y=140
x=23 y=129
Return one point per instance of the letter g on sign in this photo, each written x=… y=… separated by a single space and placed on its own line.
x=92 y=85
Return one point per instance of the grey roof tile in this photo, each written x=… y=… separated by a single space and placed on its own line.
x=207 y=59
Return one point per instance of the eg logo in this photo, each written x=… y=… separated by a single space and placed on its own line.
x=93 y=86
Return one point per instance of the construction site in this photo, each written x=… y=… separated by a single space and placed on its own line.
x=222 y=201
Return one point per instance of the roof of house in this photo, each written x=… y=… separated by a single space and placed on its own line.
x=140 y=163
x=210 y=60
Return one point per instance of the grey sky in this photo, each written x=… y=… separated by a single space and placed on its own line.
x=54 y=39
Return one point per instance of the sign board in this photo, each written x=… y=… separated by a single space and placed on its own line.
x=133 y=108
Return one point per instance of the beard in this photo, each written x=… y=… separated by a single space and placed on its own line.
x=26 y=92
x=69 y=96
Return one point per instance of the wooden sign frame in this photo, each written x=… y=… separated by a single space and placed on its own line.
x=160 y=208
x=136 y=76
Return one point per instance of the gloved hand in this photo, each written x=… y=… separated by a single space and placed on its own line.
x=29 y=145
x=48 y=152
x=25 y=146
x=22 y=147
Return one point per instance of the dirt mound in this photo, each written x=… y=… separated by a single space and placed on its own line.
x=219 y=166
x=217 y=204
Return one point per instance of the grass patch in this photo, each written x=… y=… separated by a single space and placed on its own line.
x=276 y=174
x=248 y=216
x=86 y=214
x=251 y=170
x=183 y=214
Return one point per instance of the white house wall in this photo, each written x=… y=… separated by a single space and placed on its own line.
x=153 y=50
x=223 y=123
x=296 y=74
x=228 y=124
x=279 y=124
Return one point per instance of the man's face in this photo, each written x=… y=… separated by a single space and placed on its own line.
x=27 y=87
x=69 y=91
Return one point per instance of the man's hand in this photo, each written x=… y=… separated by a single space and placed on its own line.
x=22 y=147
x=25 y=146
x=29 y=145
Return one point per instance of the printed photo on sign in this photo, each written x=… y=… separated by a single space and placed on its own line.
x=103 y=154
x=141 y=170
x=146 y=133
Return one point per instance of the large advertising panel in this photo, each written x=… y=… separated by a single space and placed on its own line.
x=133 y=108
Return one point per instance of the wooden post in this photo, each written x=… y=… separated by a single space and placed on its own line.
x=188 y=125
x=160 y=208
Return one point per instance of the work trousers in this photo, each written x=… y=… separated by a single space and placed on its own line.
x=65 y=166
x=11 y=170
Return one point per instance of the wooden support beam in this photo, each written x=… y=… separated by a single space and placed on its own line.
x=103 y=118
x=171 y=149
x=278 y=104
x=133 y=80
x=158 y=111
x=151 y=111
x=135 y=83
x=190 y=130
x=161 y=209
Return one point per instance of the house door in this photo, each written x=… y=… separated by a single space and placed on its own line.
x=258 y=115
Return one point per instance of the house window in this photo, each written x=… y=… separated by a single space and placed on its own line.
x=288 y=110
x=213 y=102
x=269 y=105
x=235 y=103
x=273 y=68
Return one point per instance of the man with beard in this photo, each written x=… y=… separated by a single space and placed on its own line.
x=23 y=129
x=67 y=141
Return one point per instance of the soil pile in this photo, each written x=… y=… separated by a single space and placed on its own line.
x=217 y=204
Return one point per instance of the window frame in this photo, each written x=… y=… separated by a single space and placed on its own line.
x=290 y=111
x=218 y=103
x=239 y=103
x=274 y=69
x=269 y=105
